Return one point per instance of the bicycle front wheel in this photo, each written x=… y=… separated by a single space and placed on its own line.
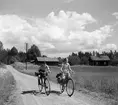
x=40 y=86
x=70 y=87
x=47 y=86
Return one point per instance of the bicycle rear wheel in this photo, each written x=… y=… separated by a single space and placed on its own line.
x=40 y=86
x=70 y=87
x=62 y=88
x=47 y=86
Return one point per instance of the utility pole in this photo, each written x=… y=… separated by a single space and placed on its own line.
x=26 y=54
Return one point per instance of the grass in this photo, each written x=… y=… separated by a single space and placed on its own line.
x=22 y=66
x=101 y=80
x=102 y=84
x=7 y=85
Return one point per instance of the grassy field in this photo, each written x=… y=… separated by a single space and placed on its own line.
x=7 y=84
x=103 y=80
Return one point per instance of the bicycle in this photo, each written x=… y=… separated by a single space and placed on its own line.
x=66 y=83
x=43 y=83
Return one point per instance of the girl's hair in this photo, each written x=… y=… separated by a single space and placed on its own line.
x=65 y=59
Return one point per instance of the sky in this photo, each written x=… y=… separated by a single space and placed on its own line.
x=59 y=27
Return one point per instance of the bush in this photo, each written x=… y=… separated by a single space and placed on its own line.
x=7 y=85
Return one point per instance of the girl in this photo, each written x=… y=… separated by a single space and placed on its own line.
x=66 y=69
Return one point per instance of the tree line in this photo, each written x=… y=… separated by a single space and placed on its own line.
x=82 y=58
x=9 y=56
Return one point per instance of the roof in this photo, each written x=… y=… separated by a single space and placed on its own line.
x=47 y=59
x=101 y=58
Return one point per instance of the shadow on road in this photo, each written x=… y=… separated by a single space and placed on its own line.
x=29 y=92
x=55 y=92
x=36 y=92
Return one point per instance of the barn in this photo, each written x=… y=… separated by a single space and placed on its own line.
x=99 y=61
x=49 y=61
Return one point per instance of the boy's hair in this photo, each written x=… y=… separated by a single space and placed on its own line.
x=44 y=62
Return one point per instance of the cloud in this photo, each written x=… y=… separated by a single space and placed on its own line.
x=70 y=20
x=55 y=34
x=115 y=14
x=109 y=47
x=68 y=1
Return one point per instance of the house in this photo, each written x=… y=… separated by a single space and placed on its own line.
x=49 y=61
x=99 y=61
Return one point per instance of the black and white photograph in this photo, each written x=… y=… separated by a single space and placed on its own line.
x=58 y=52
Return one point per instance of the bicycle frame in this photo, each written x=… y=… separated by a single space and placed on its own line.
x=43 y=78
x=65 y=77
x=44 y=82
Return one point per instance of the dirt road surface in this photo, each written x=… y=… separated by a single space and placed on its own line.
x=27 y=84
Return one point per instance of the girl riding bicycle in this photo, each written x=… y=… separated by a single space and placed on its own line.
x=65 y=69
x=64 y=78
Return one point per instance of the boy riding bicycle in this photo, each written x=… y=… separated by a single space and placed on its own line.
x=43 y=71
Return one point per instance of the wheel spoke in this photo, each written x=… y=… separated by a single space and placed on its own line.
x=47 y=86
x=62 y=87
